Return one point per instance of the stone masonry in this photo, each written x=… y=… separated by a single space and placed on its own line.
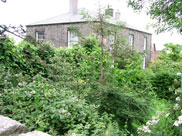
x=9 y=127
x=57 y=34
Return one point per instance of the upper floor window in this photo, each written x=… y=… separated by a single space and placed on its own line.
x=145 y=43
x=40 y=36
x=72 y=38
x=131 y=39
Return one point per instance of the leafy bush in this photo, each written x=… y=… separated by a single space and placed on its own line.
x=169 y=121
x=46 y=51
x=164 y=76
x=42 y=106
x=169 y=63
x=57 y=90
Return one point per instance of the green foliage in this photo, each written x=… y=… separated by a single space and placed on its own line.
x=171 y=52
x=43 y=106
x=127 y=57
x=9 y=55
x=164 y=70
x=57 y=90
x=90 y=43
x=166 y=13
x=169 y=121
x=46 y=51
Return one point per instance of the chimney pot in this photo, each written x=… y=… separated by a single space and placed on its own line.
x=109 y=11
x=73 y=6
x=117 y=15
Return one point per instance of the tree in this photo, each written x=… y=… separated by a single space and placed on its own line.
x=171 y=52
x=103 y=29
x=167 y=13
x=18 y=31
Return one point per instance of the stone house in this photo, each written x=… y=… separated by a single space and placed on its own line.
x=57 y=30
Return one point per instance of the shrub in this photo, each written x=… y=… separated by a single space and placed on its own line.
x=46 y=51
x=163 y=77
x=57 y=91
x=45 y=107
x=169 y=63
x=169 y=121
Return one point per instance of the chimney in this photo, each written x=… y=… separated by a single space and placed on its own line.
x=117 y=15
x=109 y=11
x=73 y=6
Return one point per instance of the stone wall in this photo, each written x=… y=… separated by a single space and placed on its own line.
x=9 y=127
x=58 y=34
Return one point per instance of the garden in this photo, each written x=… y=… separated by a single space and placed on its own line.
x=90 y=91
x=57 y=90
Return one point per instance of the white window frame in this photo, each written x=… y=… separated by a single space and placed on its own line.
x=144 y=48
x=144 y=61
x=145 y=43
x=72 y=38
x=39 y=36
x=131 y=39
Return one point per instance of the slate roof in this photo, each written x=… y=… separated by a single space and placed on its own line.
x=75 y=18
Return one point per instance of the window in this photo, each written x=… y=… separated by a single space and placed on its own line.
x=40 y=36
x=145 y=43
x=72 y=39
x=131 y=39
x=111 y=39
x=144 y=48
x=144 y=63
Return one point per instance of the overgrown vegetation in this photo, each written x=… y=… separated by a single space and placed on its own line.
x=58 y=90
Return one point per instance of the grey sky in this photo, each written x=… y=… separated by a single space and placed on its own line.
x=28 y=11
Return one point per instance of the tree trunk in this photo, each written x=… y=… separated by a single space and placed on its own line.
x=101 y=63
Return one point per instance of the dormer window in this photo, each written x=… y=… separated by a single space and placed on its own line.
x=40 y=36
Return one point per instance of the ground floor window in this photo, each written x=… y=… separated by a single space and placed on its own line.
x=72 y=39
x=40 y=36
x=144 y=63
x=131 y=39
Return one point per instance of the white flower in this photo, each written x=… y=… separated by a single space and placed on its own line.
x=180 y=118
x=146 y=129
x=152 y=122
x=178 y=91
x=176 y=123
x=62 y=111
x=179 y=74
x=5 y=90
x=175 y=80
x=178 y=99
x=73 y=134
x=167 y=115
x=170 y=89
x=176 y=107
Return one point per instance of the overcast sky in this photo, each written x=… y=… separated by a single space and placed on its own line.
x=24 y=12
